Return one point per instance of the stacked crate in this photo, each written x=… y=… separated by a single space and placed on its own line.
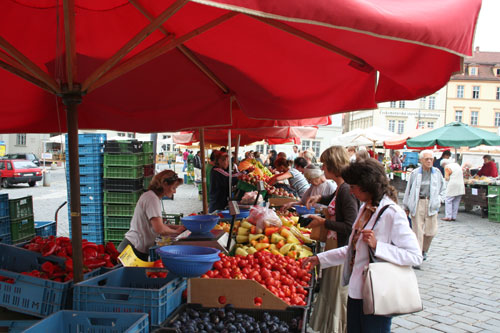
x=123 y=185
x=494 y=203
x=22 y=223
x=90 y=154
x=4 y=219
x=149 y=163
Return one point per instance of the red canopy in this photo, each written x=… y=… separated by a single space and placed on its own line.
x=399 y=142
x=166 y=65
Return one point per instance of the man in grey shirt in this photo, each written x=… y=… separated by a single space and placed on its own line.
x=424 y=194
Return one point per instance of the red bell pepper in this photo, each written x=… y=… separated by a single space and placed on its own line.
x=48 y=248
x=94 y=263
x=100 y=249
x=89 y=253
x=69 y=265
x=158 y=263
x=111 y=249
x=48 y=267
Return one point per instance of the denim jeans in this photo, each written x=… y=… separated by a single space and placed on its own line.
x=357 y=321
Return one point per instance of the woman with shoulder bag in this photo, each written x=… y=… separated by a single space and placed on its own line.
x=330 y=308
x=381 y=228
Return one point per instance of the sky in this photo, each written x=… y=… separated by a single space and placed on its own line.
x=488 y=27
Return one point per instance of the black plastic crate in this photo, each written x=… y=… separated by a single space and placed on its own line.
x=123 y=146
x=284 y=315
x=21 y=207
x=123 y=185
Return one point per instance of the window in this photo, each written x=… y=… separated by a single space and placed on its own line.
x=392 y=125
x=473 y=118
x=260 y=148
x=472 y=70
x=421 y=124
x=316 y=145
x=498 y=93
x=9 y=166
x=497 y=119
x=460 y=91
x=21 y=139
x=401 y=126
x=401 y=104
x=130 y=135
x=475 y=92
x=458 y=116
x=393 y=104
x=432 y=102
x=430 y=124
x=120 y=134
x=2 y=165
x=496 y=71
x=305 y=144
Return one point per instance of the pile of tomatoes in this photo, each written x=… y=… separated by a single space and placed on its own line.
x=283 y=276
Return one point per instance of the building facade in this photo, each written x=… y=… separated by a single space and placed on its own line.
x=474 y=95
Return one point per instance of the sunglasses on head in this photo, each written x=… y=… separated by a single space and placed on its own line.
x=170 y=179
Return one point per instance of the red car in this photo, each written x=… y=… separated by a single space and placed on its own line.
x=19 y=171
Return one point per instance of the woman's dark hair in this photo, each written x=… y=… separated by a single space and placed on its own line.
x=212 y=155
x=300 y=162
x=166 y=176
x=256 y=154
x=370 y=176
x=281 y=162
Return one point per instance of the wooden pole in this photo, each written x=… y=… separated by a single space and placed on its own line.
x=230 y=162
x=71 y=100
x=203 y=172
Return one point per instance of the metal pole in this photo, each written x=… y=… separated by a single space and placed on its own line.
x=230 y=163
x=203 y=172
x=71 y=100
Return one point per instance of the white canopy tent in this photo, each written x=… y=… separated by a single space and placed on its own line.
x=371 y=136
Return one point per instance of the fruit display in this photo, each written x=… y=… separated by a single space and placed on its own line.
x=281 y=275
x=253 y=179
x=229 y=319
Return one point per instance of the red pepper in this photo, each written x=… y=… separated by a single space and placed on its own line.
x=94 y=263
x=158 y=263
x=63 y=241
x=49 y=248
x=69 y=265
x=89 y=245
x=111 y=249
x=69 y=250
x=100 y=249
x=89 y=253
x=161 y=275
x=48 y=267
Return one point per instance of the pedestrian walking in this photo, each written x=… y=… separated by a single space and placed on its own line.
x=185 y=159
x=455 y=188
x=424 y=194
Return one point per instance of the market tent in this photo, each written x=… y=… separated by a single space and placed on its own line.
x=399 y=142
x=371 y=136
x=456 y=135
x=151 y=66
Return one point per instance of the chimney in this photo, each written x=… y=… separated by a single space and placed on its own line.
x=476 y=49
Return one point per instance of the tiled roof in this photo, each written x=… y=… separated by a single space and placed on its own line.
x=486 y=61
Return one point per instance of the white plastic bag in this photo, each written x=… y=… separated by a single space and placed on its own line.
x=263 y=217
x=249 y=198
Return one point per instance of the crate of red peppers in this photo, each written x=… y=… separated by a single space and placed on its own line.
x=34 y=284
x=95 y=256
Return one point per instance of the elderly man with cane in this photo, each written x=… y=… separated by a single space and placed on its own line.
x=424 y=194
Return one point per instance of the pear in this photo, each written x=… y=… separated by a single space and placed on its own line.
x=275 y=238
x=241 y=239
x=241 y=252
x=261 y=246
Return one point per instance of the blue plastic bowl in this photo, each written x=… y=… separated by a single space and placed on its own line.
x=244 y=213
x=188 y=268
x=302 y=210
x=200 y=224
x=187 y=251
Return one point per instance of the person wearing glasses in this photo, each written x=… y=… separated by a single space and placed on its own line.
x=147 y=222
x=424 y=194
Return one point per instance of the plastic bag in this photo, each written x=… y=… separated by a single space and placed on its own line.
x=249 y=198
x=263 y=217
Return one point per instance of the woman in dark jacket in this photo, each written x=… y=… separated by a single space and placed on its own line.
x=330 y=309
x=219 y=182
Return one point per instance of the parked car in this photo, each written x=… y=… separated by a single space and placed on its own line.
x=22 y=156
x=19 y=171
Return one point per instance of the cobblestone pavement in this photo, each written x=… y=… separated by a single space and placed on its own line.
x=459 y=283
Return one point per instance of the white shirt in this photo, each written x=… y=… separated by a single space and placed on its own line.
x=141 y=233
x=396 y=243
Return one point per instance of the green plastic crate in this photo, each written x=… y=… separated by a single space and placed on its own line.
x=117 y=222
x=147 y=181
x=114 y=234
x=493 y=189
x=118 y=210
x=172 y=218
x=494 y=201
x=131 y=160
x=149 y=158
x=22 y=228
x=147 y=147
x=21 y=207
x=122 y=197
x=493 y=217
x=494 y=208
x=123 y=172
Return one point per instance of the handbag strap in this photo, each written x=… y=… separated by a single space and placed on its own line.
x=370 y=250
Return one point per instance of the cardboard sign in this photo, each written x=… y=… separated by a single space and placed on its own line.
x=474 y=191
x=129 y=259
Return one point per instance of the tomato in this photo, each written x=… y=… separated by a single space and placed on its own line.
x=265 y=273
x=209 y=274
x=226 y=264
x=222 y=299
x=270 y=282
x=225 y=273
x=218 y=265
x=257 y=301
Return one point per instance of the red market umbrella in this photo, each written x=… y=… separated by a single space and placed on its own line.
x=399 y=142
x=151 y=66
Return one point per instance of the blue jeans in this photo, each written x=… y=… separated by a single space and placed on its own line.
x=357 y=321
x=185 y=166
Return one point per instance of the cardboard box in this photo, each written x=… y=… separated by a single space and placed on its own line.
x=280 y=201
x=240 y=293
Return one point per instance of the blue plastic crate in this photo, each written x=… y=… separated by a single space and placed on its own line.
x=91 y=199
x=92 y=209
x=16 y=326
x=153 y=256
x=92 y=219
x=45 y=228
x=91 y=189
x=411 y=158
x=89 y=138
x=90 y=149
x=89 y=228
x=4 y=205
x=128 y=289
x=6 y=238
x=31 y=295
x=4 y=225
x=94 y=178
x=90 y=159
x=92 y=322
x=94 y=237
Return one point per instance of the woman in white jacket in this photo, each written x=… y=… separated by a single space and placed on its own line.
x=391 y=240
x=455 y=188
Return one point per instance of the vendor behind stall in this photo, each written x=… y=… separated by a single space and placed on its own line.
x=219 y=182
x=295 y=178
x=147 y=222
x=489 y=168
